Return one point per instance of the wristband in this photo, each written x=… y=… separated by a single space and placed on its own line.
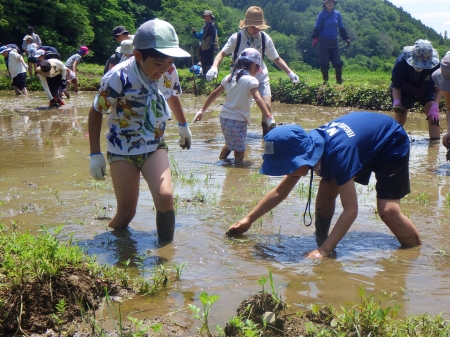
x=94 y=154
x=183 y=124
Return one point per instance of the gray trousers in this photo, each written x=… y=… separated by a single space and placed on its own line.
x=329 y=52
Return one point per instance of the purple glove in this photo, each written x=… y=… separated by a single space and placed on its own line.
x=434 y=114
x=314 y=42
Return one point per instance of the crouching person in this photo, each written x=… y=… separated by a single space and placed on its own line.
x=136 y=126
x=52 y=74
x=342 y=152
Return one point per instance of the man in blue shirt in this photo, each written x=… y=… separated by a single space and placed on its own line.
x=328 y=23
x=342 y=152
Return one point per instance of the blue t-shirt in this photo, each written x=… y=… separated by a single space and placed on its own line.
x=358 y=140
x=328 y=23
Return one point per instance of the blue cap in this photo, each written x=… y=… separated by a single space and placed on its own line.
x=287 y=147
x=4 y=48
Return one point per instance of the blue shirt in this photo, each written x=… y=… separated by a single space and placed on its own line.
x=328 y=23
x=358 y=140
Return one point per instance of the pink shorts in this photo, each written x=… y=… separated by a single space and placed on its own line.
x=235 y=133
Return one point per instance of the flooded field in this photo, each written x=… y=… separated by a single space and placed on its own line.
x=45 y=181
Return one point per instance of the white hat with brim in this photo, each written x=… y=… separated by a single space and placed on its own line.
x=39 y=52
x=422 y=55
x=159 y=35
x=441 y=76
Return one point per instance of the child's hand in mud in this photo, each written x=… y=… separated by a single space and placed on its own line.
x=398 y=107
x=315 y=254
x=239 y=228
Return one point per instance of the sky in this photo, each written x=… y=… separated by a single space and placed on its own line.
x=432 y=13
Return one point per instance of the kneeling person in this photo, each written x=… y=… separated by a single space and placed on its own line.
x=342 y=152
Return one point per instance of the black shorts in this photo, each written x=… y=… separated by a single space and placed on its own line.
x=32 y=59
x=20 y=81
x=409 y=101
x=392 y=178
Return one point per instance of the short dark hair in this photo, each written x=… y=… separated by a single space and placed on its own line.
x=151 y=52
x=30 y=29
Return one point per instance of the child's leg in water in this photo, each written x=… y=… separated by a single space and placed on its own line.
x=238 y=157
x=224 y=153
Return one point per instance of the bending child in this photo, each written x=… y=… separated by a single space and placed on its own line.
x=241 y=86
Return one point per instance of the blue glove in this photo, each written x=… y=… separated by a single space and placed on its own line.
x=63 y=84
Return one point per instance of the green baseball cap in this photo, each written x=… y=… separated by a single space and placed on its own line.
x=160 y=35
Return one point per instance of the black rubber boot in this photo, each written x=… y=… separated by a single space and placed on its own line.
x=265 y=129
x=338 y=75
x=165 y=226
x=324 y=75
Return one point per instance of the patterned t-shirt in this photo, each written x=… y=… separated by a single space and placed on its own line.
x=169 y=83
x=138 y=110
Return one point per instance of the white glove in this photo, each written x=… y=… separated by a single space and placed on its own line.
x=270 y=121
x=98 y=166
x=26 y=67
x=186 y=136
x=211 y=74
x=294 y=78
x=198 y=116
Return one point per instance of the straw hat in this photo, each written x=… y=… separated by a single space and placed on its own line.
x=254 y=17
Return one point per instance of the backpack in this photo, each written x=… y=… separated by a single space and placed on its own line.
x=117 y=56
x=51 y=55
x=13 y=46
x=238 y=44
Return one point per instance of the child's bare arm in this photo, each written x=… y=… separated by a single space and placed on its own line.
x=265 y=110
x=211 y=98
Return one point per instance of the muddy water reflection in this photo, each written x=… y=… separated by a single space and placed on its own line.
x=44 y=180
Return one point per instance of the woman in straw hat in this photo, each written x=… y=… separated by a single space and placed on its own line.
x=251 y=36
x=412 y=83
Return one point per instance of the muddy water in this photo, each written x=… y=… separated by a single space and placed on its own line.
x=45 y=181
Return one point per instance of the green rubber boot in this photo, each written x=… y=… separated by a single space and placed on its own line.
x=165 y=226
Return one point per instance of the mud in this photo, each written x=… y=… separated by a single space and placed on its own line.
x=45 y=181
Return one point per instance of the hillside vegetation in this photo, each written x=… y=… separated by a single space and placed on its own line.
x=378 y=30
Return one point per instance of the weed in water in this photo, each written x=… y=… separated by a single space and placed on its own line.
x=207 y=302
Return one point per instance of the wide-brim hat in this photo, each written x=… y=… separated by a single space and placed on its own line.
x=325 y=1
x=126 y=47
x=39 y=52
x=159 y=35
x=28 y=37
x=422 y=55
x=441 y=76
x=288 y=147
x=208 y=12
x=254 y=17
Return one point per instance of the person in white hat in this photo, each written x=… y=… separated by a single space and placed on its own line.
x=412 y=83
x=136 y=126
x=252 y=35
x=241 y=86
x=17 y=69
